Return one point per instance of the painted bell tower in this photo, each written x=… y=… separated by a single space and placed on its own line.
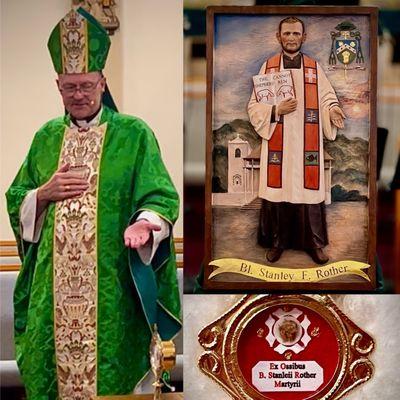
x=237 y=149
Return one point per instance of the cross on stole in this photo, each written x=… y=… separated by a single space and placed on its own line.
x=311 y=76
x=311 y=116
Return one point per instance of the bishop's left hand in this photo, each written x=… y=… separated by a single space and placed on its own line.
x=140 y=234
x=337 y=117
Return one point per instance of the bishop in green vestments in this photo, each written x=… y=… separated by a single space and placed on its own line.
x=92 y=209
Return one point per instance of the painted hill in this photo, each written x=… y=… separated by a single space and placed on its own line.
x=349 y=168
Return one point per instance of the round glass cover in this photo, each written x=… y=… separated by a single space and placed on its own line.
x=289 y=352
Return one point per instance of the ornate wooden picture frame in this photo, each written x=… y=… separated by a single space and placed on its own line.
x=249 y=149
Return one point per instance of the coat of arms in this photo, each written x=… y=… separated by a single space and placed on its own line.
x=346 y=46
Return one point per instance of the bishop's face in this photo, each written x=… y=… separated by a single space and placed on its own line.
x=291 y=37
x=81 y=93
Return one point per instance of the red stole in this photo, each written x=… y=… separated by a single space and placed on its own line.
x=311 y=148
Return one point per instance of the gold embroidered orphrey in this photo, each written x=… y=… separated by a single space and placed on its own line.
x=220 y=340
x=74 y=46
x=75 y=269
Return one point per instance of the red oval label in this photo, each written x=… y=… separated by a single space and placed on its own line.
x=289 y=352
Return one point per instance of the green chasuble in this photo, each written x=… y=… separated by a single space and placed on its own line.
x=84 y=303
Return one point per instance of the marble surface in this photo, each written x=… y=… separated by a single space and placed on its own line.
x=378 y=315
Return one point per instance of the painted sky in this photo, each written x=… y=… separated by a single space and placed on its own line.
x=242 y=43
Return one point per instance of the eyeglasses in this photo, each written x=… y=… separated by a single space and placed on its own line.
x=85 y=88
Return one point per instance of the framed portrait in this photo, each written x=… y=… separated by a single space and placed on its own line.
x=291 y=148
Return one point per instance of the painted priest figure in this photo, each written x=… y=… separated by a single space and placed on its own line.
x=92 y=209
x=292 y=164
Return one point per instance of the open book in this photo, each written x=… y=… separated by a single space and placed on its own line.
x=274 y=87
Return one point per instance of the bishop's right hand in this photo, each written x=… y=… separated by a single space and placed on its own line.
x=64 y=184
x=286 y=106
